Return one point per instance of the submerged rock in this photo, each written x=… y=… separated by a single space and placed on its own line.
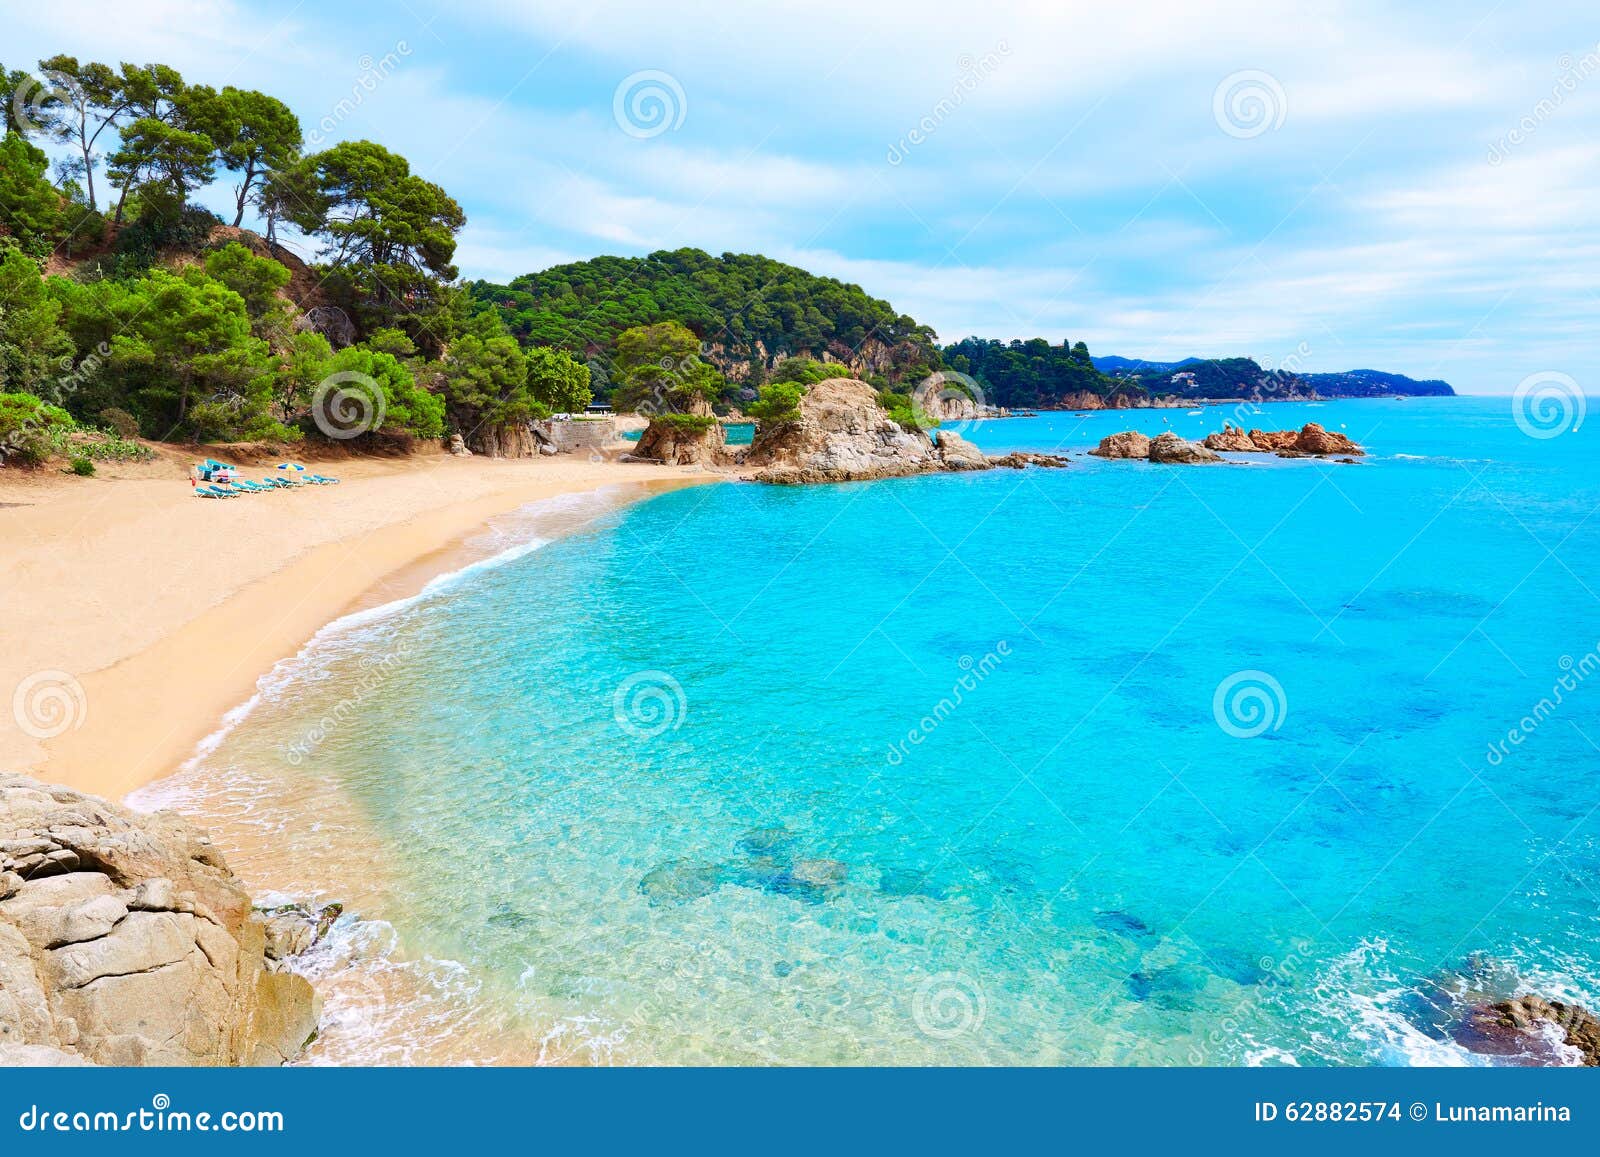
x=766 y=842
x=1123 y=924
x=294 y=929
x=125 y=940
x=679 y=881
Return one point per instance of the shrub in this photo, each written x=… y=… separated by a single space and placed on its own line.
x=779 y=402
x=31 y=430
x=120 y=422
x=82 y=467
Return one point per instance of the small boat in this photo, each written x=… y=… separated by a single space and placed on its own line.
x=1197 y=413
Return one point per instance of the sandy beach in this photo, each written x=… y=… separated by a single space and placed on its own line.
x=136 y=616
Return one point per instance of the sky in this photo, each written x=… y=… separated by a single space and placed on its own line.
x=1328 y=186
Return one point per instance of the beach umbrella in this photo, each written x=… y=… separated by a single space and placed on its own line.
x=290 y=466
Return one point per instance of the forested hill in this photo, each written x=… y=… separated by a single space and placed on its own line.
x=1244 y=377
x=750 y=311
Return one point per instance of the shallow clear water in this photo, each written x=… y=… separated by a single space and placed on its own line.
x=936 y=770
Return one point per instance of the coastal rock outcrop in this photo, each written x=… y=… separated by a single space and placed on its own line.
x=1128 y=444
x=1230 y=439
x=842 y=434
x=125 y=940
x=683 y=440
x=1171 y=449
x=1506 y=1026
x=1313 y=439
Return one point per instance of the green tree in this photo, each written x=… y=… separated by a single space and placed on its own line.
x=779 y=402
x=266 y=139
x=300 y=367
x=31 y=210
x=389 y=389
x=805 y=371
x=486 y=383
x=660 y=371
x=258 y=281
x=29 y=428
x=32 y=343
x=92 y=99
x=558 y=381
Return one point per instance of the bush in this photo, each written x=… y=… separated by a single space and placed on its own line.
x=120 y=422
x=779 y=402
x=31 y=430
x=82 y=467
x=695 y=422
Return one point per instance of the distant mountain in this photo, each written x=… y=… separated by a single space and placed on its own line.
x=1246 y=378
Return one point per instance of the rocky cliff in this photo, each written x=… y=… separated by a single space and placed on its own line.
x=125 y=940
x=842 y=434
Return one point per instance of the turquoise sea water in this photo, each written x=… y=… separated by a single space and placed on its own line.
x=1114 y=764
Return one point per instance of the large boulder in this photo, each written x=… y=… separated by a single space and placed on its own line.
x=959 y=454
x=1313 y=439
x=1230 y=439
x=1171 y=449
x=1272 y=440
x=1128 y=444
x=842 y=434
x=125 y=940
x=683 y=440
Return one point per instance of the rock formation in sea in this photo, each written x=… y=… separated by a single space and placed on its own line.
x=683 y=441
x=1128 y=444
x=1169 y=448
x=842 y=434
x=1512 y=1026
x=125 y=940
x=1310 y=441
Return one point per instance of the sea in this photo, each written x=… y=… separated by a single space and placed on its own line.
x=1284 y=761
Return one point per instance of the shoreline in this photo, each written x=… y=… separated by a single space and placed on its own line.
x=204 y=599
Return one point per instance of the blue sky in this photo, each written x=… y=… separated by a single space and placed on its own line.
x=1322 y=186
